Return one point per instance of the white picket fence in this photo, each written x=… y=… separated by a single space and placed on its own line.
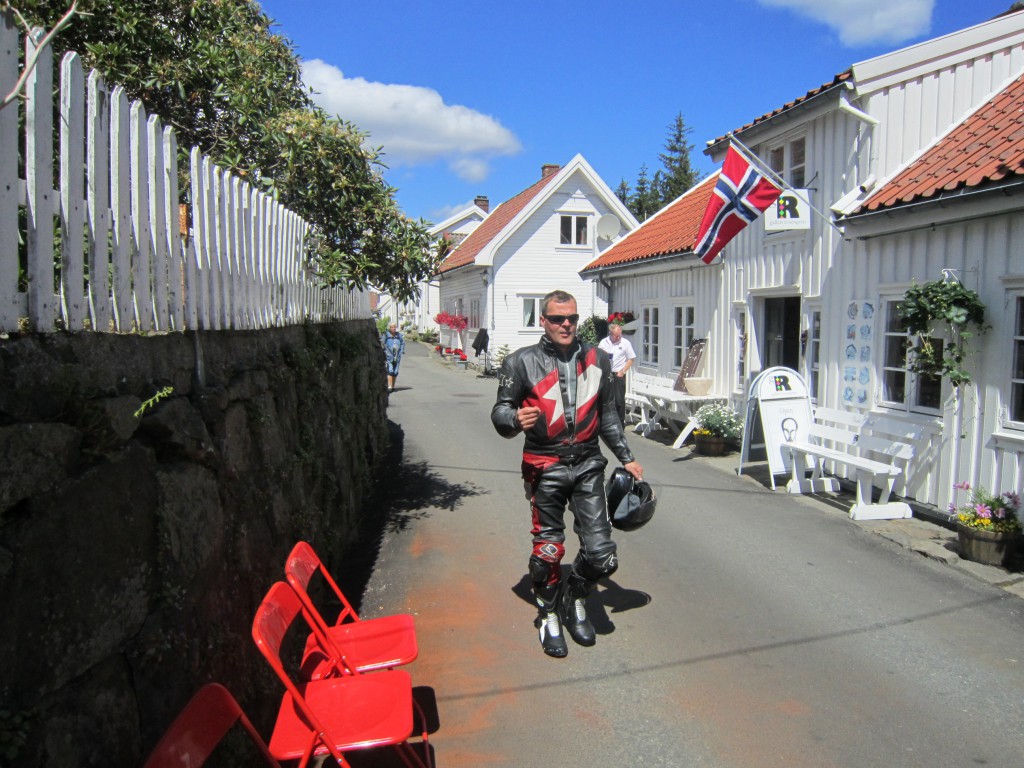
x=105 y=250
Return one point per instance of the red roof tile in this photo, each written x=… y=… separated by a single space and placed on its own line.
x=986 y=147
x=467 y=251
x=837 y=80
x=672 y=230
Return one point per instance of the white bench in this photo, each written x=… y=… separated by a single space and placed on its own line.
x=874 y=446
x=656 y=400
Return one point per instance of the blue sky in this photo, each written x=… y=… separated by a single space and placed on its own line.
x=472 y=99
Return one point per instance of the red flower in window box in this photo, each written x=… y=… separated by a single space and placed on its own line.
x=462 y=357
x=621 y=318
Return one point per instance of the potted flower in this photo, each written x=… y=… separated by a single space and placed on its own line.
x=987 y=526
x=717 y=425
x=625 y=319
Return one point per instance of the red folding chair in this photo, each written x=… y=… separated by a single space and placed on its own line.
x=200 y=727
x=333 y=715
x=367 y=644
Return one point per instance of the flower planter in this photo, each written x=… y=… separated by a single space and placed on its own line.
x=986 y=547
x=708 y=445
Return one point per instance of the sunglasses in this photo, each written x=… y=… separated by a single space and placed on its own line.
x=560 y=319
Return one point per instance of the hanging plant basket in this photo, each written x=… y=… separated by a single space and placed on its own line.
x=925 y=310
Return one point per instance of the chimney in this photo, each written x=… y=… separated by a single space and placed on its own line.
x=482 y=203
x=549 y=170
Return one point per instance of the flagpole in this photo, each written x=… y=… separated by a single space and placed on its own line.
x=752 y=158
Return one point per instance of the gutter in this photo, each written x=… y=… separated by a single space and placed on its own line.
x=1007 y=190
x=598 y=272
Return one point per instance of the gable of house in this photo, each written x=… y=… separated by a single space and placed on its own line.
x=672 y=230
x=987 y=148
x=465 y=254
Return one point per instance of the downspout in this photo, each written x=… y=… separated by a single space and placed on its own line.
x=864 y=117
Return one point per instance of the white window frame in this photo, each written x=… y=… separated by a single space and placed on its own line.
x=474 y=312
x=579 y=230
x=787 y=168
x=811 y=349
x=650 y=335
x=684 y=317
x=912 y=382
x=1015 y=377
x=537 y=302
x=740 y=329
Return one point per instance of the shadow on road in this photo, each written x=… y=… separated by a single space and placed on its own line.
x=403 y=492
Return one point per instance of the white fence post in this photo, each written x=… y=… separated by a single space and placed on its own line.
x=11 y=302
x=72 y=190
x=120 y=209
x=98 y=203
x=39 y=202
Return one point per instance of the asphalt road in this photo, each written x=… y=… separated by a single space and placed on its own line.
x=745 y=628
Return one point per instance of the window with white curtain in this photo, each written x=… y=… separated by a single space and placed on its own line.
x=682 y=333
x=649 y=333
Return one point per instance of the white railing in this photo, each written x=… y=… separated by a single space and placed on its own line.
x=126 y=258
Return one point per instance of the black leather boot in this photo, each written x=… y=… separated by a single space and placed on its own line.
x=550 y=627
x=573 y=612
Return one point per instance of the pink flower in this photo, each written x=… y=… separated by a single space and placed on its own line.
x=962 y=486
x=1012 y=499
x=983 y=511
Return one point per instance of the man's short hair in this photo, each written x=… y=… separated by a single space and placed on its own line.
x=560 y=296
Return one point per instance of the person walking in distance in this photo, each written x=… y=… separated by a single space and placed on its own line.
x=621 y=354
x=559 y=394
x=394 y=347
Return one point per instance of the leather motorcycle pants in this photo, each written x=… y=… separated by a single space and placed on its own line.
x=580 y=486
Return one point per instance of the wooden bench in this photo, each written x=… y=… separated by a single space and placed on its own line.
x=872 y=445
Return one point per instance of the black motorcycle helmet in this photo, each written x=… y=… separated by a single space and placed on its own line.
x=631 y=502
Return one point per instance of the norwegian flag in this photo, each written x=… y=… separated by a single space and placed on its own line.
x=739 y=197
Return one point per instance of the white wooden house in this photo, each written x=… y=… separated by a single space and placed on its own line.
x=420 y=313
x=531 y=244
x=785 y=298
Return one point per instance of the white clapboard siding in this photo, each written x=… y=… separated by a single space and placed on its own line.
x=124 y=263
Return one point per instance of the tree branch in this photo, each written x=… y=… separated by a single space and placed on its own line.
x=31 y=63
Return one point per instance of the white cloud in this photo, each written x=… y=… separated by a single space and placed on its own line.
x=862 y=22
x=413 y=125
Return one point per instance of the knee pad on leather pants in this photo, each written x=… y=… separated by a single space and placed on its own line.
x=598 y=564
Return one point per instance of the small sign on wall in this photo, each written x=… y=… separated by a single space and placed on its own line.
x=791 y=211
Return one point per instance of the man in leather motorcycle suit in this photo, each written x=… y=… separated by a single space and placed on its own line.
x=560 y=394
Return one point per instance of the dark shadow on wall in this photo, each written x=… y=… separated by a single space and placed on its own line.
x=403 y=492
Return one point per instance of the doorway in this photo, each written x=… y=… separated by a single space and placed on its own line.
x=781 y=338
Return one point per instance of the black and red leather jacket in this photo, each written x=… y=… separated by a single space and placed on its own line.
x=530 y=377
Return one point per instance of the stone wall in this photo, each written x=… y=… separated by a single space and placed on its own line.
x=134 y=548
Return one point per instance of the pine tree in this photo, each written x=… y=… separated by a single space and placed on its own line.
x=679 y=173
x=622 y=192
x=640 y=203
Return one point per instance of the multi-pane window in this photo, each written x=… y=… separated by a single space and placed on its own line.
x=1016 y=409
x=649 y=335
x=531 y=311
x=900 y=386
x=813 y=352
x=474 y=313
x=741 y=348
x=573 y=230
x=789 y=160
x=682 y=334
